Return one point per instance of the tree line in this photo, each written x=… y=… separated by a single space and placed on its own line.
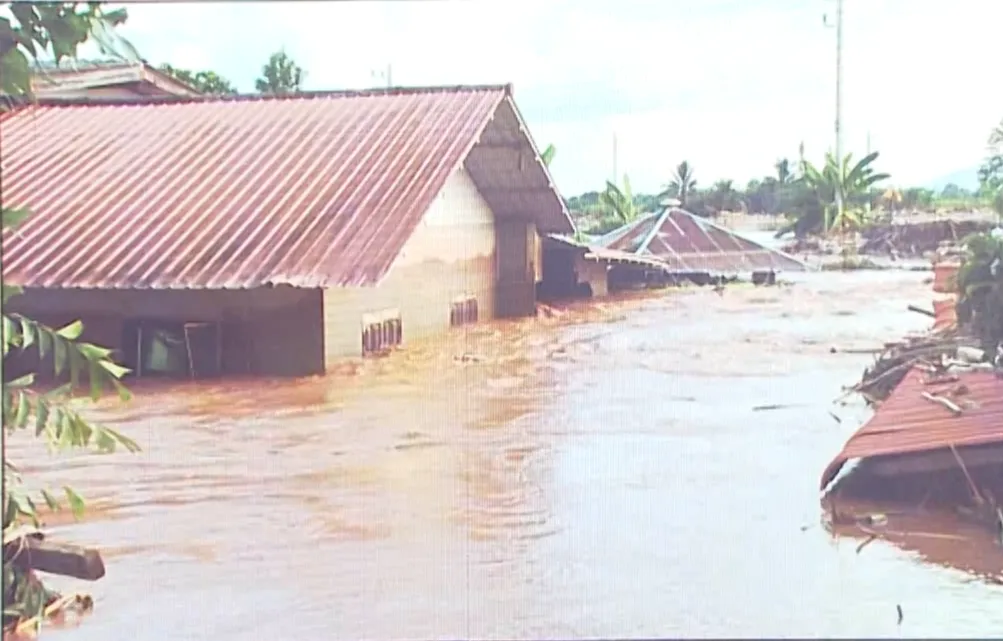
x=279 y=75
x=803 y=193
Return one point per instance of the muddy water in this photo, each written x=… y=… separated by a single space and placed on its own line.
x=602 y=474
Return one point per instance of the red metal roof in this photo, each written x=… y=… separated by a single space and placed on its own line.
x=906 y=423
x=686 y=242
x=315 y=190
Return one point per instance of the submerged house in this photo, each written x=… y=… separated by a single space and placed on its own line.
x=690 y=245
x=275 y=235
x=104 y=79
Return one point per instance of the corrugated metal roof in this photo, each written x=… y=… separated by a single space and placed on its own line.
x=72 y=77
x=688 y=243
x=906 y=423
x=313 y=190
x=603 y=254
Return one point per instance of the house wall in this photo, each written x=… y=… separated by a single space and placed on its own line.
x=594 y=273
x=451 y=254
x=114 y=91
x=269 y=331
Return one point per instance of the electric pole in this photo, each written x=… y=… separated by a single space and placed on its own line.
x=616 y=181
x=839 y=106
x=385 y=75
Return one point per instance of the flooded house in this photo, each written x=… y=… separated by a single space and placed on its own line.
x=693 y=247
x=104 y=79
x=573 y=268
x=275 y=235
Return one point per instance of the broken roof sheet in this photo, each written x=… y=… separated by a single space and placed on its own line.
x=906 y=423
x=309 y=190
x=689 y=243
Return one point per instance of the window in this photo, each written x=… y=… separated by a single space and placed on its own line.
x=381 y=332
x=463 y=311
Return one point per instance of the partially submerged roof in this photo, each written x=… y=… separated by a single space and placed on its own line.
x=312 y=190
x=906 y=423
x=605 y=255
x=689 y=243
x=93 y=78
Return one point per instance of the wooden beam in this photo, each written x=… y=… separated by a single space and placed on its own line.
x=32 y=553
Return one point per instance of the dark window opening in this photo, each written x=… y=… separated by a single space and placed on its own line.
x=173 y=349
x=463 y=312
x=378 y=338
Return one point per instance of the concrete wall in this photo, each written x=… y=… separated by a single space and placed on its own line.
x=451 y=254
x=594 y=273
x=271 y=331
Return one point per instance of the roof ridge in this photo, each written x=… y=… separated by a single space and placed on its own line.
x=254 y=97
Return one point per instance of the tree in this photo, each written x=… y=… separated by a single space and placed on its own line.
x=206 y=82
x=620 y=202
x=280 y=75
x=853 y=181
x=682 y=184
x=723 y=196
x=57 y=29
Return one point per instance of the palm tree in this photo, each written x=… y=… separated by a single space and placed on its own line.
x=723 y=195
x=850 y=180
x=619 y=202
x=682 y=184
x=280 y=75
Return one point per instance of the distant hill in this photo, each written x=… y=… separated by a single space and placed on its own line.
x=964 y=178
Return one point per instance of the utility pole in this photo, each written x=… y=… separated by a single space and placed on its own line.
x=386 y=75
x=839 y=104
x=615 y=179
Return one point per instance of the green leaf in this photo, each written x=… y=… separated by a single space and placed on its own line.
x=45 y=341
x=41 y=416
x=15 y=78
x=24 y=381
x=72 y=331
x=12 y=218
x=8 y=292
x=51 y=501
x=75 y=501
x=27 y=333
x=10 y=336
x=59 y=354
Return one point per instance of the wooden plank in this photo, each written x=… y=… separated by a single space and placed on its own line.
x=31 y=553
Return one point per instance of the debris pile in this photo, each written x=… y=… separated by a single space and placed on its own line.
x=941 y=354
x=918 y=239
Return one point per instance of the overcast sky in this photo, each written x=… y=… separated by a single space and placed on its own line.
x=729 y=85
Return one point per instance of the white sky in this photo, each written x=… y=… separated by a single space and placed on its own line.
x=729 y=85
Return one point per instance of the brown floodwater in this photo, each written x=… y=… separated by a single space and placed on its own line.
x=601 y=474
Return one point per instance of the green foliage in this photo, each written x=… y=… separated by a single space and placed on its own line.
x=280 y=75
x=206 y=82
x=851 y=180
x=57 y=29
x=980 y=289
x=682 y=184
x=548 y=155
x=619 y=202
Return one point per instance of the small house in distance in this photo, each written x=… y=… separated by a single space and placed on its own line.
x=275 y=235
x=104 y=79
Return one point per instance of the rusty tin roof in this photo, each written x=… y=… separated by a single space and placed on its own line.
x=688 y=243
x=311 y=190
x=906 y=423
x=72 y=77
